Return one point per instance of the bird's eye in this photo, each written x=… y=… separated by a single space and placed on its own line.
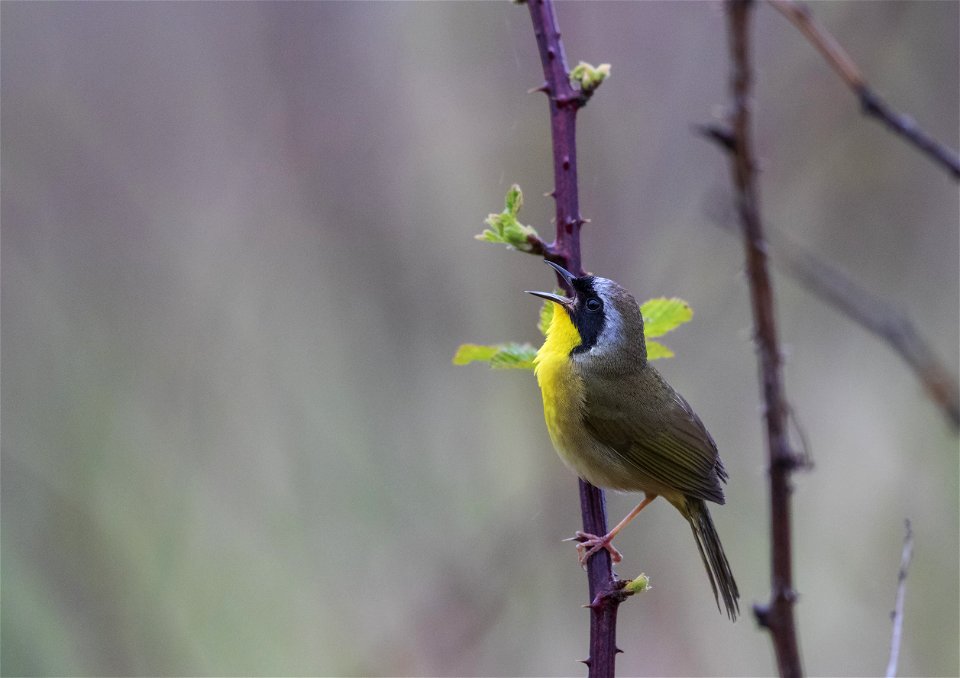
x=592 y=305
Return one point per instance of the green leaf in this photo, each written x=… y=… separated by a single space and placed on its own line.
x=514 y=356
x=498 y=356
x=546 y=316
x=662 y=315
x=656 y=350
x=504 y=227
x=468 y=353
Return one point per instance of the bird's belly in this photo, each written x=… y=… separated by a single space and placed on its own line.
x=590 y=459
x=596 y=463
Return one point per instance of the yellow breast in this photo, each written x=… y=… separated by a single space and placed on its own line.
x=564 y=402
x=562 y=388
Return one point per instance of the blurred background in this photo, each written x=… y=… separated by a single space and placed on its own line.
x=238 y=257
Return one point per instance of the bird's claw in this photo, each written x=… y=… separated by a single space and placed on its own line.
x=588 y=544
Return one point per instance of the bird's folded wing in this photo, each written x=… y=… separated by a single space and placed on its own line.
x=667 y=442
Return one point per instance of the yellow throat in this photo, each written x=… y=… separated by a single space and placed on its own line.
x=560 y=385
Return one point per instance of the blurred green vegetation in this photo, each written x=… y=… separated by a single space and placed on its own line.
x=238 y=255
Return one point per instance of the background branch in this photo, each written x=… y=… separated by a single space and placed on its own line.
x=777 y=615
x=890 y=324
x=799 y=15
x=565 y=101
x=897 y=614
x=834 y=286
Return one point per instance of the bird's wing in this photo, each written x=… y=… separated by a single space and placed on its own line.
x=664 y=438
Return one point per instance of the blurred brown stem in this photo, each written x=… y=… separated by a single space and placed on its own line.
x=799 y=15
x=777 y=615
x=835 y=287
x=878 y=316
x=565 y=101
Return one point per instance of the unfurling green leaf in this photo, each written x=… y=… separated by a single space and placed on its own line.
x=514 y=200
x=498 y=356
x=662 y=315
x=638 y=585
x=656 y=350
x=588 y=76
x=504 y=227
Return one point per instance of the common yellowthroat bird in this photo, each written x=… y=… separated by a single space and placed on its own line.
x=619 y=425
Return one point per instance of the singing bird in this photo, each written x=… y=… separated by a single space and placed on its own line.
x=619 y=425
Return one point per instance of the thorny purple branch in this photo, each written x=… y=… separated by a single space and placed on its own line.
x=565 y=101
x=777 y=615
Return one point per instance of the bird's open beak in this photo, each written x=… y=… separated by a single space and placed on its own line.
x=564 y=273
x=563 y=301
x=567 y=276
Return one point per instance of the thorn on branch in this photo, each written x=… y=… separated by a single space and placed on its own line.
x=607 y=597
x=615 y=595
x=792 y=462
x=762 y=615
x=869 y=101
x=723 y=136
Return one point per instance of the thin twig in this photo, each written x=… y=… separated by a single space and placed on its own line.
x=565 y=101
x=889 y=323
x=903 y=125
x=896 y=616
x=777 y=616
x=878 y=316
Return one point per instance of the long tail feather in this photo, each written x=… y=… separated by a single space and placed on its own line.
x=714 y=559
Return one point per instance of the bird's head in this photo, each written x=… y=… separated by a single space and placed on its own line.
x=604 y=315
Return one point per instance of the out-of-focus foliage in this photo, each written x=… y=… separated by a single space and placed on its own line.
x=236 y=260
